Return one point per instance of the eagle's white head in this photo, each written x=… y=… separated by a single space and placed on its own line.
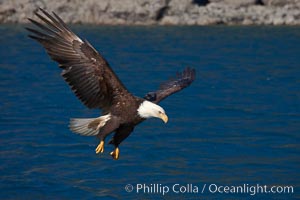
x=148 y=109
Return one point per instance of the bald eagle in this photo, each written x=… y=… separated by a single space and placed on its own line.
x=97 y=86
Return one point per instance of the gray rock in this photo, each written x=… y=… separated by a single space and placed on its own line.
x=163 y=12
x=279 y=2
x=237 y=3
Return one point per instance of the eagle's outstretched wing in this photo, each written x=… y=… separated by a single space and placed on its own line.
x=182 y=80
x=83 y=68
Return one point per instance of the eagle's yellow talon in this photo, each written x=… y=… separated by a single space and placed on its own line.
x=115 y=154
x=100 y=147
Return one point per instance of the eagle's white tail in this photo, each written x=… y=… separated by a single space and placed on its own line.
x=88 y=126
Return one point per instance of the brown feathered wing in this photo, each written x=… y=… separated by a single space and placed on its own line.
x=181 y=81
x=84 y=69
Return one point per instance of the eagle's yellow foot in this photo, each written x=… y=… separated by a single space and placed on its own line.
x=100 y=147
x=115 y=154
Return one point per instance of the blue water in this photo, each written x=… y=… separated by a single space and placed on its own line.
x=238 y=123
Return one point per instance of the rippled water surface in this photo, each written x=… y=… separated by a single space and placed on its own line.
x=238 y=123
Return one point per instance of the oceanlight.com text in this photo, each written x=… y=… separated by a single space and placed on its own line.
x=212 y=188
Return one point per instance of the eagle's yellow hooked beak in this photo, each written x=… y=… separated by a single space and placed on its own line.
x=164 y=117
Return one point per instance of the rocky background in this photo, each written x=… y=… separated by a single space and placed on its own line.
x=162 y=12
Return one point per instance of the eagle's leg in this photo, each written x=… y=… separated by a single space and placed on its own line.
x=100 y=147
x=121 y=134
x=109 y=127
x=115 y=153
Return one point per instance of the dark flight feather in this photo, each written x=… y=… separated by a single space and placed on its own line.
x=182 y=80
x=84 y=69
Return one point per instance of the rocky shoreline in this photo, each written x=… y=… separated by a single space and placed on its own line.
x=158 y=12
